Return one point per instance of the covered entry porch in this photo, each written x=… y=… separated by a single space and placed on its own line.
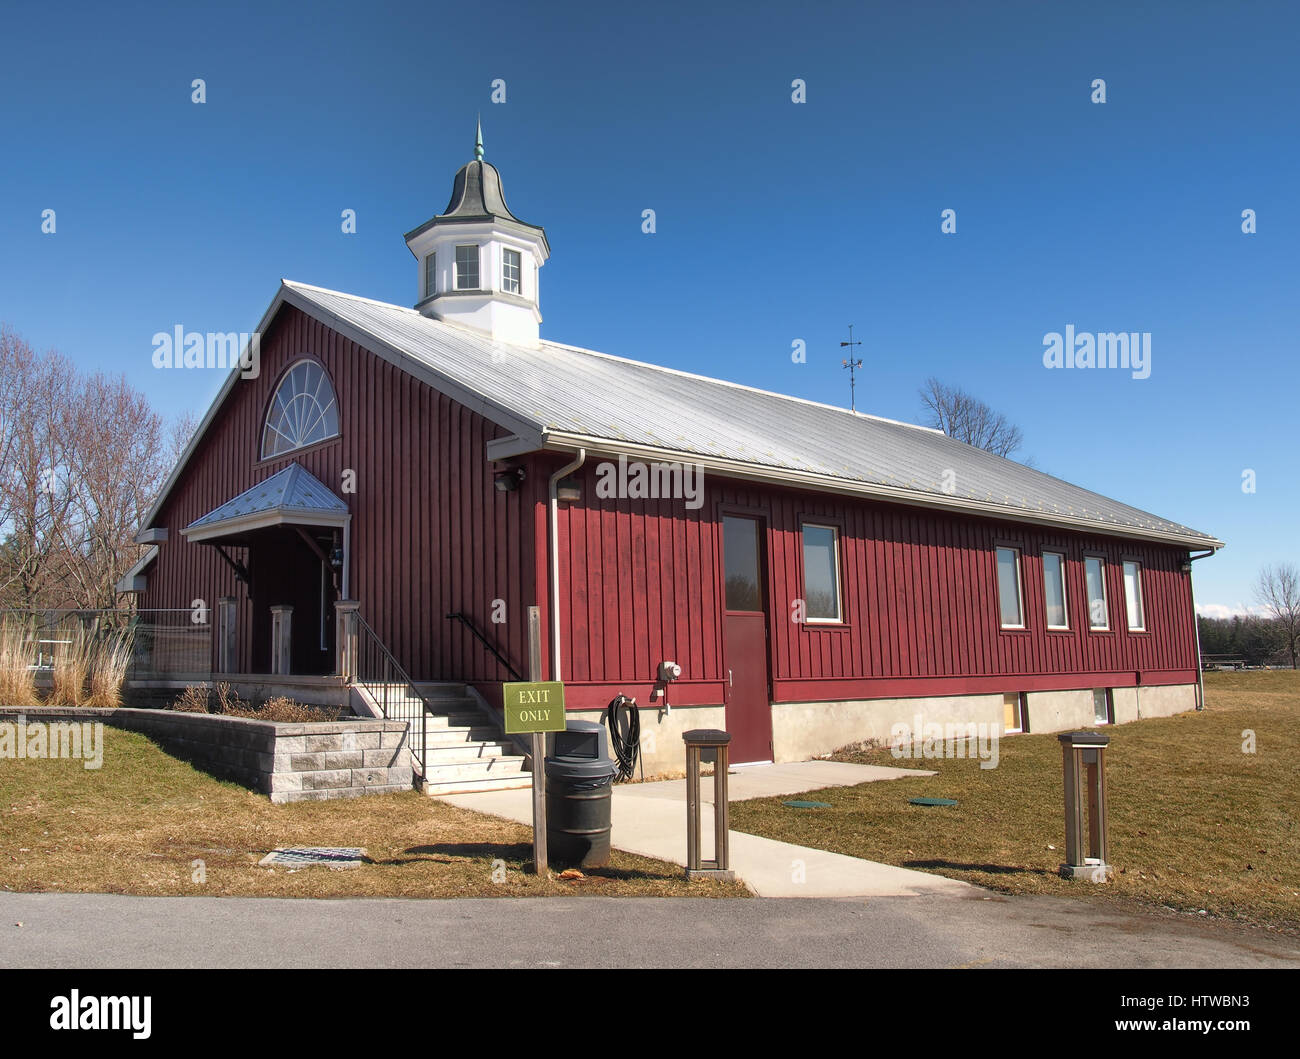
x=288 y=542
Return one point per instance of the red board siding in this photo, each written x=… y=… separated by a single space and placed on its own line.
x=430 y=533
x=640 y=582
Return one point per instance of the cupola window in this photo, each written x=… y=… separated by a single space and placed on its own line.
x=510 y=271
x=467 y=268
x=430 y=275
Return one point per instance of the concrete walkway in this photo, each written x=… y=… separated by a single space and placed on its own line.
x=650 y=819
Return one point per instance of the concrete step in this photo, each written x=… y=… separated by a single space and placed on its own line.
x=476 y=768
x=438 y=786
x=437 y=756
x=460 y=736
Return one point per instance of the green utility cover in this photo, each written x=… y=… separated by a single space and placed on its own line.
x=807 y=805
x=932 y=801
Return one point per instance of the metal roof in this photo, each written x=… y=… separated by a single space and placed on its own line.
x=563 y=397
x=290 y=494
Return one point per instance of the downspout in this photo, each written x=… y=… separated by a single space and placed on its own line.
x=1196 y=624
x=563 y=472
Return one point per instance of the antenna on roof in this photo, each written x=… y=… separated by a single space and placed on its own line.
x=853 y=366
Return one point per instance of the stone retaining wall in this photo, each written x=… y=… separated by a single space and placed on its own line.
x=289 y=762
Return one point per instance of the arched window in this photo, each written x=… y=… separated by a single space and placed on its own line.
x=303 y=411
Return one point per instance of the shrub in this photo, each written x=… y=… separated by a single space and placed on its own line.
x=17 y=656
x=228 y=704
x=193 y=699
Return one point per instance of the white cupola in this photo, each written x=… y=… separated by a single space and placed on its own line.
x=478 y=263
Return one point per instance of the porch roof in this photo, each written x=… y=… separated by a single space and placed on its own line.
x=292 y=496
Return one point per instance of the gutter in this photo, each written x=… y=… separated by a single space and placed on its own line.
x=795 y=477
x=554 y=519
x=1196 y=625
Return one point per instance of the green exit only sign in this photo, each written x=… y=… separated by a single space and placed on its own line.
x=535 y=707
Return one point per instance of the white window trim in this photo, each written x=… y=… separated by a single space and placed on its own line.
x=839 y=578
x=1141 y=600
x=1020 y=588
x=1105 y=595
x=1065 y=595
x=430 y=274
x=1110 y=706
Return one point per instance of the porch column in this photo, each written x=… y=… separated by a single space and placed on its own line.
x=281 y=638
x=345 y=638
x=227 y=638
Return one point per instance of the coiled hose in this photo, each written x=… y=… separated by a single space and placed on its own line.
x=624 y=721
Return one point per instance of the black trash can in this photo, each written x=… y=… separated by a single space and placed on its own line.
x=579 y=777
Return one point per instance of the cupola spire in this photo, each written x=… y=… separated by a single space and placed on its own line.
x=477 y=262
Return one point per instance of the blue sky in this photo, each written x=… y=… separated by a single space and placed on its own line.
x=776 y=221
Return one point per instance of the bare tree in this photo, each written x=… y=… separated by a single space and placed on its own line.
x=966 y=418
x=181 y=433
x=84 y=458
x=1278 y=591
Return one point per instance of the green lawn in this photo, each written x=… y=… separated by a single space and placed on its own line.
x=136 y=826
x=1195 y=823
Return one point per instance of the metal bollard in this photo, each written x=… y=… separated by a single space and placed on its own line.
x=697 y=742
x=1084 y=765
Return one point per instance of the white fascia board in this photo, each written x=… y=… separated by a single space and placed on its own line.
x=824 y=483
x=515 y=445
x=265 y=520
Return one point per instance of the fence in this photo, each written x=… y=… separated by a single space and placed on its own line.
x=166 y=644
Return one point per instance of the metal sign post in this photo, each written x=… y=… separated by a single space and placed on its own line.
x=535 y=708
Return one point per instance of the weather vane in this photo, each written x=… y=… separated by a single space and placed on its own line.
x=853 y=365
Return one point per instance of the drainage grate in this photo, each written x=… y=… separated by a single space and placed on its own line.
x=303 y=856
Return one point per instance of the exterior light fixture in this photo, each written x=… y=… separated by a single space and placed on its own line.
x=509 y=480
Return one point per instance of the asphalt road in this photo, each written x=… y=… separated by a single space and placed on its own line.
x=106 y=931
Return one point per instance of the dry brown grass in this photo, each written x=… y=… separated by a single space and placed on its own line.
x=71 y=667
x=139 y=824
x=110 y=658
x=1194 y=822
x=17 y=655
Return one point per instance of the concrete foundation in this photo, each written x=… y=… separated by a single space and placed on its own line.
x=804 y=730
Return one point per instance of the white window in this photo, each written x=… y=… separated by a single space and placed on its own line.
x=1054 y=588
x=1013 y=711
x=1102 y=706
x=510 y=271
x=467 y=268
x=1009 y=600
x=430 y=275
x=1133 y=596
x=303 y=411
x=1098 y=610
x=821 y=573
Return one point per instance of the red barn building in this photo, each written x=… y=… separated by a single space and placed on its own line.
x=818 y=575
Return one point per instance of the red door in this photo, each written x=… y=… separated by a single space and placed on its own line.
x=744 y=641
